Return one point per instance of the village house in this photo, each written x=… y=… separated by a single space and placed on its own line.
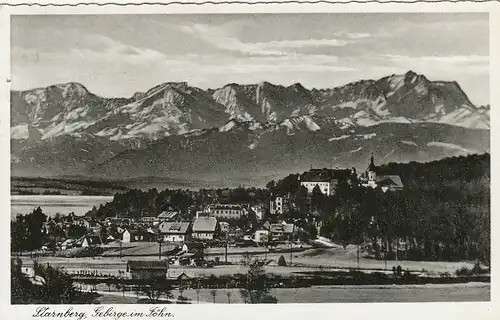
x=174 y=231
x=69 y=218
x=261 y=236
x=82 y=222
x=147 y=270
x=372 y=179
x=279 y=231
x=89 y=241
x=50 y=226
x=130 y=235
x=120 y=229
x=168 y=216
x=224 y=227
x=68 y=244
x=94 y=227
x=147 y=219
x=204 y=228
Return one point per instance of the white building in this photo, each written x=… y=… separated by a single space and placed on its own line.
x=227 y=211
x=324 y=186
x=174 y=231
x=261 y=236
x=258 y=210
x=325 y=179
x=279 y=204
x=204 y=228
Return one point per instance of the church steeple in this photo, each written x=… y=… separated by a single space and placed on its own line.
x=372 y=169
x=372 y=166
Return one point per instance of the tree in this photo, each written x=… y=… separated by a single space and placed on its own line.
x=271 y=185
x=198 y=293
x=182 y=286
x=270 y=299
x=300 y=198
x=317 y=198
x=50 y=286
x=281 y=261
x=28 y=231
x=213 y=293
x=155 y=289
x=256 y=288
x=246 y=259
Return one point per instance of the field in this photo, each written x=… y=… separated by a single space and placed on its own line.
x=328 y=294
x=332 y=294
x=308 y=259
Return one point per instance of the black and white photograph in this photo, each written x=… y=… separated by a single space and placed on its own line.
x=249 y=158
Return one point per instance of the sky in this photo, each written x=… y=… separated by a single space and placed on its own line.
x=118 y=55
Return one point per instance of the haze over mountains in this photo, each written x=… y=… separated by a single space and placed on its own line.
x=248 y=132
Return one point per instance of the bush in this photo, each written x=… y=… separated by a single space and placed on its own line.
x=183 y=300
x=270 y=299
x=476 y=270
x=464 y=271
x=80 y=252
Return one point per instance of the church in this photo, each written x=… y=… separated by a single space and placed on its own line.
x=371 y=179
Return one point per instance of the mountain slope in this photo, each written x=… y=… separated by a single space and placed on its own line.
x=178 y=130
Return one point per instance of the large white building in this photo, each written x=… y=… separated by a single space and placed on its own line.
x=227 y=211
x=325 y=179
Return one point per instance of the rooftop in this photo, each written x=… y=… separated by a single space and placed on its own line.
x=205 y=224
x=226 y=206
x=168 y=214
x=174 y=227
x=325 y=175
x=389 y=181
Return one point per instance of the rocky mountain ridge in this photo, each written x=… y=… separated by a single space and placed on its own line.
x=174 y=129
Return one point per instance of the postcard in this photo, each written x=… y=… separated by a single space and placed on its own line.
x=333 y=159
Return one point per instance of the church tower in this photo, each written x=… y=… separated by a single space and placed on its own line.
x=372 y=175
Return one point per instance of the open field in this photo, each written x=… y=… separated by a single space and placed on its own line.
x=334 y=294
x=334 y=257
x=328 y=294
x=306 y=260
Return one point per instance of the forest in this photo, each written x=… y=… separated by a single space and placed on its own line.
x=443 y=213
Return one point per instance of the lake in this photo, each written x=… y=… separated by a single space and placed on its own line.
x=52 y=204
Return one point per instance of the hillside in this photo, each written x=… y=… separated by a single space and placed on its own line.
x=240 y=132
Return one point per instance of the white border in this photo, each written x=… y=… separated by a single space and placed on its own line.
x=480 y=310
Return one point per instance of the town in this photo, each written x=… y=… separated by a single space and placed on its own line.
x=323 y=220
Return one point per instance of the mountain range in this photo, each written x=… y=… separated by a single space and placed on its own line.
x=251 y=132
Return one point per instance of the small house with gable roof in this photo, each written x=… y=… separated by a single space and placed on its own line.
x=204 y=228
x=175 y=231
